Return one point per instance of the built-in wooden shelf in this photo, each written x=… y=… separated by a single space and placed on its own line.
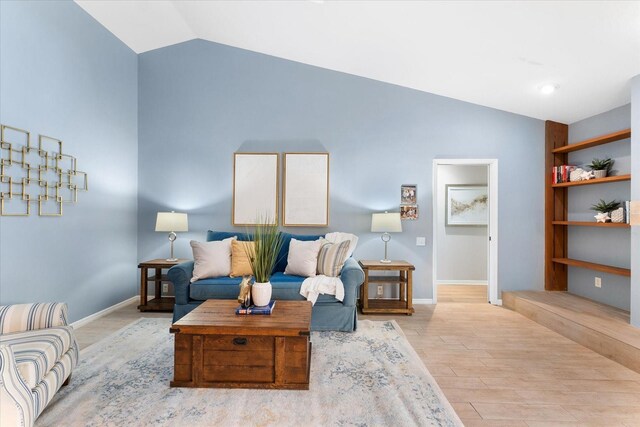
x=593 y=266
x=616 y=178
x=594 y=142
x=557 y=196
x=594 y=224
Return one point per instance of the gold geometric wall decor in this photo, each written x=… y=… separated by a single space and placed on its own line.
x=43 y=174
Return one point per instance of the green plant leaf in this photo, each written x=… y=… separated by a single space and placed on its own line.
x=602 y=164
x=267 y=244
x=605 y=207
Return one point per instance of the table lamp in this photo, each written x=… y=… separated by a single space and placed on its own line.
x=388 y=222
x=172 y=222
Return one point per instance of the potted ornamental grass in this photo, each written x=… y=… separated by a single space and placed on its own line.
x=601 y=167
x=263 y=256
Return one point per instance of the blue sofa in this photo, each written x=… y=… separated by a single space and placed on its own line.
x=328 y=313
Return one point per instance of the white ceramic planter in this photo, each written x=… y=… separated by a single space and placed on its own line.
x=261 y=293
x=601 y=173
x=617 y=215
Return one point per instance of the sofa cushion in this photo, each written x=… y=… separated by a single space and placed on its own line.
x=51 y=383
x=240 y=252
x=280 y=278
x=217 y=288
x=36 y=352
x=221 y=235
x=281 y=263
x=284 y=287
x=303 y=257
x=211 y=259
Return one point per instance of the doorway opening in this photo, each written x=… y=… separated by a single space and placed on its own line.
x=465 y=230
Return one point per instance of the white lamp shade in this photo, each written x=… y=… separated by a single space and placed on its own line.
x=172 y=221
x=388 y=222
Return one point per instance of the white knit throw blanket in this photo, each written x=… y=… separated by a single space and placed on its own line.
x=312 y=287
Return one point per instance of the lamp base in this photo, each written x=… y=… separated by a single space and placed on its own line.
x=172 y=238
x=385 y=238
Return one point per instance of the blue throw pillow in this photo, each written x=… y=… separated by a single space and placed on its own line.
x=281 y=263
x=213 y=236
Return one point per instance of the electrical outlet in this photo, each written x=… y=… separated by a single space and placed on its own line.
x=380 y=291
x=598 y=282
x=421 y=241
x=165 y=287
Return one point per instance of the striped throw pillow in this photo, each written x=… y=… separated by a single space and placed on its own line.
x=332 y=257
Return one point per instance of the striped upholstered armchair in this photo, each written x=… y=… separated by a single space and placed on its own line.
x=38 y=351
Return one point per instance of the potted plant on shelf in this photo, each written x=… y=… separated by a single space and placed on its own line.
x=263 y=257
x=601 y=167
x=604 y=208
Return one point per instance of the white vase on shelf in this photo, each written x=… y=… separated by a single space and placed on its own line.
x=576 y=175
x=617 y=215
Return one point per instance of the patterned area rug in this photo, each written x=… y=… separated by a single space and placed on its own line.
x=371 y=377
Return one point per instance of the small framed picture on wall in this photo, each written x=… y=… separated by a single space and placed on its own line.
x=408 y=194
x=409 y=212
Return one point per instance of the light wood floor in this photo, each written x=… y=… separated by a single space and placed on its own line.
x=104 y=326
x=463 y=293
x=496 y=367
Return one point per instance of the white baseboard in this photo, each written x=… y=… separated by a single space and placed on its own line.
x=462 y=282
x=94 y=316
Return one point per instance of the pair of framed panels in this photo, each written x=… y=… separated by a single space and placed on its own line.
x=305 y=189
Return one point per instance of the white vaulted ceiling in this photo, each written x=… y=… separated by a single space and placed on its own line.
x=496 y=54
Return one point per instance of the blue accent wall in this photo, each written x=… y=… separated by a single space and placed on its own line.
x=199 y=102
x=64 y=75
x=600 y=245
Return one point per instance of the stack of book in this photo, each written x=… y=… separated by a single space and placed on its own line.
x=255 y=309
x=562 y=173
x=627 y=211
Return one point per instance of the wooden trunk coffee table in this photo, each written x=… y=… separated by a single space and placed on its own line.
x=214 y=347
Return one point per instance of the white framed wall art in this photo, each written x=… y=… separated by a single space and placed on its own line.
x=255 y=188
x=467 y=205
x=305 y=192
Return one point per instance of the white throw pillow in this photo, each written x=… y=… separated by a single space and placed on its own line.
x=339 y=237
x=303 y=257
x=211 y=259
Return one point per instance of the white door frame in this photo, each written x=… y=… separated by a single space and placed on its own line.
x=492 y=241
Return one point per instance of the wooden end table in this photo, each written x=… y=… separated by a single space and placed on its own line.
x=214 y=347
x=159 y=303
x=403 y=305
